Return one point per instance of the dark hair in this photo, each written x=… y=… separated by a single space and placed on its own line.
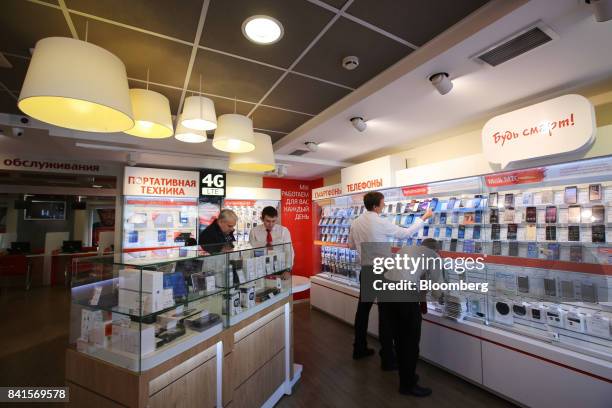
x=269 y=211
x=430 y=243
x=191 y=242
x=372 y=199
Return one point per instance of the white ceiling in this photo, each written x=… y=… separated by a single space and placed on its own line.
x=409 y=108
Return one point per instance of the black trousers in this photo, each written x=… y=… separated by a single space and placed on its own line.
x=385 y=332
x=404 y=319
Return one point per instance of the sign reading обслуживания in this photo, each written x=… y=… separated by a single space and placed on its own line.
x=560 y=125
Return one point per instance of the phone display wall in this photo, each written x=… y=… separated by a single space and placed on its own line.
x=544 y=234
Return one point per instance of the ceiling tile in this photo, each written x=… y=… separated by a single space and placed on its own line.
x=223 y=106
x=23 y=23
x=167 y=60
x=173 y=95
x=8 y=104
x=417 y=21
x=231 y=77
x=304 y=94
x=301 y=21
x=153 y=15
x=13 y=77
x=276 y=119
x=375 y=52
x=335 y=3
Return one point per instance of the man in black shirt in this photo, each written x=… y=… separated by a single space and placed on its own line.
x=220 y=234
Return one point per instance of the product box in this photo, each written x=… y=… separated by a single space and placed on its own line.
x=131 y=338
x=260 y=266
x=575 y=321
x=598 y=325
x=247 y=297
x=130 y=279
x=231 y=304
x=250 y=265
x=136 y=302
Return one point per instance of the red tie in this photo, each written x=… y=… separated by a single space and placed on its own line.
x=269 y=238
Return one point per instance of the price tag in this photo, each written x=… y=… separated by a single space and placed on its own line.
x=95 y=298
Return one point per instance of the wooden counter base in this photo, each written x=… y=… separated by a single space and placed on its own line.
x=244 y=365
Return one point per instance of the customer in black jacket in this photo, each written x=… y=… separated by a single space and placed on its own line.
x=219 y=235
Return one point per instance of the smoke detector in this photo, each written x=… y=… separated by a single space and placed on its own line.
x=350 y=63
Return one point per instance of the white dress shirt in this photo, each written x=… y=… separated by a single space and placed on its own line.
x=280 y=235
x=371 y=227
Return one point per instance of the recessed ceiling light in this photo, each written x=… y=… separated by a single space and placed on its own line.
x=262 y=29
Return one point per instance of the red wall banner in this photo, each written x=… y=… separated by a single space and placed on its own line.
x=296 y=215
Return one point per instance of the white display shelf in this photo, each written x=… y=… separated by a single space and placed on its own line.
x=233 y=320
x=130 y=360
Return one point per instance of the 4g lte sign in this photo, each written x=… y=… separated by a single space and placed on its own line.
x=212 y=183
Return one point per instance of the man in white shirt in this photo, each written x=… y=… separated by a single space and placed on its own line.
x=269 y=232
x=370 y=227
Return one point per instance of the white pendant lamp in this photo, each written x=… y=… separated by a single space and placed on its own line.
x=234 y=134
x=199 y=113
x=76 y=85
x=259 y=160
x=189 y=135
x=152 y=115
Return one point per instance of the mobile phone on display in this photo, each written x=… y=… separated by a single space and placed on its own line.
x=423 y=205
x=571 y=195
x=597 y=214
x=531 y=214
x=573 y=214
x=493 y=200
x=595 y=192
x=551 y=214
x=509 y=200
x=451 y=203
x=433 y=204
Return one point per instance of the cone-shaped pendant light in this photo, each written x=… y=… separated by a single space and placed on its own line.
x=151 y=113
x=189 y=135
x=234 y=134
x=199 y=113
x=259 y=160
x=76 y=85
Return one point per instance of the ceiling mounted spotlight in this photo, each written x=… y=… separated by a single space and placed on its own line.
x=442 y=82
x=312 y=146
x=602 y=9
x=262 y=29
x=358 y=123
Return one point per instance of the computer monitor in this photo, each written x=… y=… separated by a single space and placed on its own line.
x=21 y=247
x=72 y=246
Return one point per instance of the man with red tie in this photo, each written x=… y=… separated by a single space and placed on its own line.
x=269 y=232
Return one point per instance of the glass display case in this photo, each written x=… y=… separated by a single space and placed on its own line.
x=544 y=234
x=139 y=314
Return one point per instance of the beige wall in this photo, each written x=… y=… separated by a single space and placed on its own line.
x=332 y=179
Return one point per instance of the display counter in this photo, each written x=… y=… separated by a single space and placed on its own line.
x=196 y=329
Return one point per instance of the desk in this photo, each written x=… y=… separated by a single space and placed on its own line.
x=299 y=284
x=67 y=258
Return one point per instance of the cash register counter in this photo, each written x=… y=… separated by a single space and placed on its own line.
x=246 y=365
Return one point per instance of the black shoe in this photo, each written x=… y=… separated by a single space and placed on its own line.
x=416 y=391
x=389 y=366
x=357 y=354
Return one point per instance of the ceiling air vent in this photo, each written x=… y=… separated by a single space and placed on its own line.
x=298 y=152
x=519 y=43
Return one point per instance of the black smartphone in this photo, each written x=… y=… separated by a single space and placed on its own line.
x=598 y=213
x=598 y=233
x=531 y=214
x=494 y=216
x=495 y=231
x=551 y=233
x=509 y=200
x=512 y=231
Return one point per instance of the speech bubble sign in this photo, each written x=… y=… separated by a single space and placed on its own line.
x=553 y=127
